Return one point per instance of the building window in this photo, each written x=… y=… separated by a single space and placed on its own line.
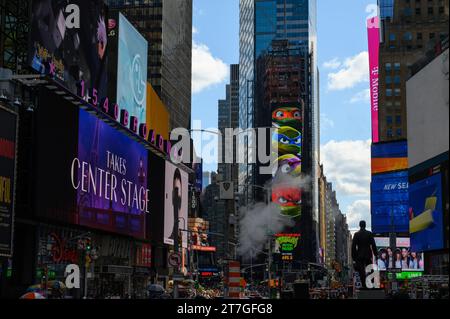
x=399 y=132
x=389 y=120
x=430 y=11
x=418 y=11
x=388 y=67
x=408 y=36
x=419 y=35
x=441 y=10
x=397 y=66
x=388 y=92
x=389 y=133
x=398 y=120
x=388 y=79
x=432 y=35
x=397 y=79
x=391 y=36
x=397 y=103
x=397 y=92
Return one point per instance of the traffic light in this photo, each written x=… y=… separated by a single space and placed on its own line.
x=88 y=245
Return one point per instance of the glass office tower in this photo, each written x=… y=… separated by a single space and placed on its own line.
x=262 y=22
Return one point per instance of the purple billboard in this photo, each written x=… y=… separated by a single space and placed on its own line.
x=110 y=178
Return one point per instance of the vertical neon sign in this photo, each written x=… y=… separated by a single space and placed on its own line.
x=373 y=31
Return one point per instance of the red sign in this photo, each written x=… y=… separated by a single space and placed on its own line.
x=204 y=248
x=61 y=253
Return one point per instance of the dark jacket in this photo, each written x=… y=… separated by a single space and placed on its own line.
x=363 y=246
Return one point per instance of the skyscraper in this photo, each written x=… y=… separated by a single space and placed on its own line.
x=167 y=26
x=264 y=24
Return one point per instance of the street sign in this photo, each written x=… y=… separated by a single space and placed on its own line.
x=174 y=260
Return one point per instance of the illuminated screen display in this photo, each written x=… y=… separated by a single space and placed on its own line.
x=389 y=198
x=426 y=213
x=110 y=175
x=175 y=204
x=288 y=140
x=389 y=157
x=132 y=70
x=401 y=257
x=70 y=53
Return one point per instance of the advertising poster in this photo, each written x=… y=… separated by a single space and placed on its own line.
x=132 y=70
x=287 y=118
x=400 y=258
x=389 y=157
x=175 y=204
x=426 y=214
x=8 y=138
x=110 y=177
x=68 y=41
x=198 y=168
x=389 y=202
x=373 y=32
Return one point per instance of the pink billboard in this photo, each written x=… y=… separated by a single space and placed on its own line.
x=373 y=31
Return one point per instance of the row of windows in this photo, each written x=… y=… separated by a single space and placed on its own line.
x=394 y=92
x=292 y=26
x=390 y=134
x=408 y=36
x=418 y=11
x=398 y=120
x=388 y=67
x=389 y=79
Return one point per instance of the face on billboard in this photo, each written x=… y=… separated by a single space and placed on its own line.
x=68 y=53
x=287 y=116
x=401 y=257
x=426 y=214
x=110 y=176
x=175 y=203
x=132 y=70
x=389 y=202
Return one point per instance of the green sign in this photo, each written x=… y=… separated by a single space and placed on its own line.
x=408 y=275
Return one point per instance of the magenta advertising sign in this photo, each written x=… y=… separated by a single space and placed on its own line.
x=373 y=31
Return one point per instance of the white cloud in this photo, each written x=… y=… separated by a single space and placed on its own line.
x=357 y=211
x=347 y=166
x=354 y=70
x=362 y=96
x=332 y=64
x=207 y=70
x=194 y=30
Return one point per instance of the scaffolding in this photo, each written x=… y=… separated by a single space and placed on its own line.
x=14 y=30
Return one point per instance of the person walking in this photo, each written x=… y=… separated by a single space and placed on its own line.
x=364 y=249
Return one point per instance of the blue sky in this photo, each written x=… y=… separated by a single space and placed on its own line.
x=343 y=66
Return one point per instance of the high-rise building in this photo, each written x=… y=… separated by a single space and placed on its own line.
x=167 y=26
x=408 y=30
x=264 y=26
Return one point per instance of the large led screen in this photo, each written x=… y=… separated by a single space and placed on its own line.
x=288 y=141
x=110 y=176
x=132 y=70
x=175 y=204
x=68 y=41
x=389 y=157
x=401 y=257
x=426 y=214
x=389 y=199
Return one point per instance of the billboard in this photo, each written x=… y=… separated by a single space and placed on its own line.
x=389 y=157
x=110 y=177
x=66 y=50
x=175 y=204
x=426 y=214
x=399 y=258
x=8 y=140
x=389 y=201
x=132 y=70
x=287 y=139
x=373 y=32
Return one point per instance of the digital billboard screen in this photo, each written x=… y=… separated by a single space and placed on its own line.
x=389 y=157
x=175 y=204
x=110 y=176
x=132 y=70
x=68 y=41
x=426 y=214
x=400 y=258
x=8 y=140
x=389 y=201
